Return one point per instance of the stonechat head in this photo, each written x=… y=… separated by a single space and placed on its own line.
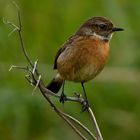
x=100 y=27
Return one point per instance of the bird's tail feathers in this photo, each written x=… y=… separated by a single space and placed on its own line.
x=55 y=84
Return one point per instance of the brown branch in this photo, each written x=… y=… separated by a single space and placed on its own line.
x=21 y=41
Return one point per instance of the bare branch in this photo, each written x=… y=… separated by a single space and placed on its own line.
x=96 y=127
x=5 y=21
x=80 y=124
x=72 y=126
x=19 y=67
x=12 y=32
x=35 y=66
x=22 y=44
x=36 y=86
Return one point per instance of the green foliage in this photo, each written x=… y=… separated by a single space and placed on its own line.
x=114 y=94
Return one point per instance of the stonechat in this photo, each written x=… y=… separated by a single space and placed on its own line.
x=84 y=54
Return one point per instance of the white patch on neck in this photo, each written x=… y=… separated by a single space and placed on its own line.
x=94 y=35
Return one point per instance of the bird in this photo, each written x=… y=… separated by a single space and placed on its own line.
x=83 y=56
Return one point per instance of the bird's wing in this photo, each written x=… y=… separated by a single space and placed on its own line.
x=57 y=55
x=66 y=44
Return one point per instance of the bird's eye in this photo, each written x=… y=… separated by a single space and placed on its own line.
x=102 y=26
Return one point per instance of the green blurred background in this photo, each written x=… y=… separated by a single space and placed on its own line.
x=114 y=95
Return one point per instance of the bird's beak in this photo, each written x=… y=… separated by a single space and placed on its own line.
x=115 y=29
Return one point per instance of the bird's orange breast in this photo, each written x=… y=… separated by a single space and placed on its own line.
x=83 y=59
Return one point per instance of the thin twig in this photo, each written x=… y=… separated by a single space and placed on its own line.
x=78 y=99
x=35 y=66
x=37 y=83
x=22 y=44
x=72 y=126
x=96 y=127
x=5 y=21
x=19 y=67
x=21 y=41
x=80 y=124
x=12 y=32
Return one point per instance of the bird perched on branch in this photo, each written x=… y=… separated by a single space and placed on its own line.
x=83 y=55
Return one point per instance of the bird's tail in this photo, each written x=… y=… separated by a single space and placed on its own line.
x=55 y=84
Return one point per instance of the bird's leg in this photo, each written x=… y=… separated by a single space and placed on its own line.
x=85 y=102
x=63 y=96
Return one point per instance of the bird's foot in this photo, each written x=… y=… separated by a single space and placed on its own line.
x=62 y=98
x=85 y=105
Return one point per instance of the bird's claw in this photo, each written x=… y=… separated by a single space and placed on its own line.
x=85 y=106
x=62 y=98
